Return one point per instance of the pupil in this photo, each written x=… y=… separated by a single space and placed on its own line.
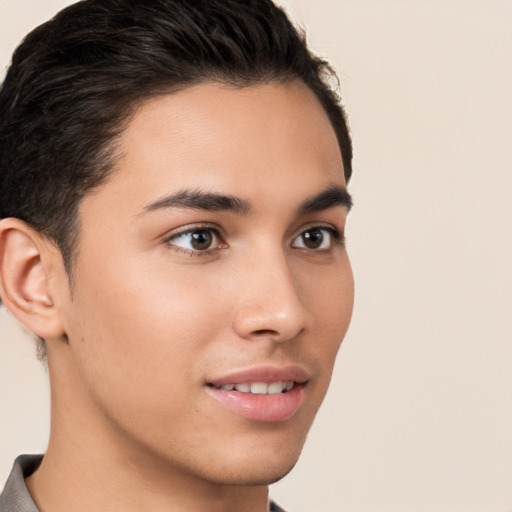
x=201 y=239
x=313 y=239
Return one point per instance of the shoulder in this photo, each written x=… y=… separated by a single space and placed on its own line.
x=274 y=507
x=15 y=496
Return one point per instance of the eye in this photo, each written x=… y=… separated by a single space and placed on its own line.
x=316 y=238
x=196 y=240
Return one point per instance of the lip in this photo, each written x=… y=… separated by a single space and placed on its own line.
x=265 y=374
x=261 y=408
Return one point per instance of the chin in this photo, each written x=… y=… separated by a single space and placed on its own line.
x=255 y=471
x=261 y=476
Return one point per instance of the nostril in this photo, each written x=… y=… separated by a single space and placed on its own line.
x=266 y=332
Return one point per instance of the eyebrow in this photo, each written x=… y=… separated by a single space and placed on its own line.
x=333 y=196
x=199 y=200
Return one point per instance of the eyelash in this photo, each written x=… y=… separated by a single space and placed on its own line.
x=190 y=230
x=337 y=238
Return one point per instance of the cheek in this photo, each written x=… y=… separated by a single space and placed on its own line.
x=329 y=298
x=329 y=295
x=146 y=322
x=141 y=343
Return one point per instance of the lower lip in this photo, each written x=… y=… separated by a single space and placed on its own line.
x=265 y=408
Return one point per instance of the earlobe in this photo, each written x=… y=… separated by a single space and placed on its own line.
x=25 y=265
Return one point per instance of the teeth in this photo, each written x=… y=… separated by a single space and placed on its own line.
x=275 y=387
x=260 y=388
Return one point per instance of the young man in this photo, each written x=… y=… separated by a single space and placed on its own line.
x=173 y=201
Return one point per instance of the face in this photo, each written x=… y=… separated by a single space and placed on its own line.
x=212 y=288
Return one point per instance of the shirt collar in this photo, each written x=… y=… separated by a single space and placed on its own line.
x=15 y=496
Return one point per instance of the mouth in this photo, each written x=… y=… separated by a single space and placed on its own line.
x=259 y=388
x=265 y=394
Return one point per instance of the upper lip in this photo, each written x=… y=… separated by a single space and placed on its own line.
x=265 y=374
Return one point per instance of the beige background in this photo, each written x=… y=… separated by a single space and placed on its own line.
x=419 y=416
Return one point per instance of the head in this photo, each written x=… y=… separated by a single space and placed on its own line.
x=100 y=113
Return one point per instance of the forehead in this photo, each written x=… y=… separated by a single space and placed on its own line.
x=222 y=138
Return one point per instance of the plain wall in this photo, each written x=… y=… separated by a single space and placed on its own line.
x=419 y=415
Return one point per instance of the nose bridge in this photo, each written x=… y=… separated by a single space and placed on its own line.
x=270 y=303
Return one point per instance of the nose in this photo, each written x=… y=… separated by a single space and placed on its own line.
x=269 y=302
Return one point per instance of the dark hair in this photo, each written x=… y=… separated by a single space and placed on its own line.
x=75 y=80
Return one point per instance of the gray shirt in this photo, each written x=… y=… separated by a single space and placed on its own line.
x=16 y=498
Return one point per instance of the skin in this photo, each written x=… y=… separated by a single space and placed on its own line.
x=149 y=320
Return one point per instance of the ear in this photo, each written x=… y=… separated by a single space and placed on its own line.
x=27 y=265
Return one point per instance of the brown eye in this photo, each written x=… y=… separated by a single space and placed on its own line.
x=196 y=240
x=201 y=240
x=314 y=239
